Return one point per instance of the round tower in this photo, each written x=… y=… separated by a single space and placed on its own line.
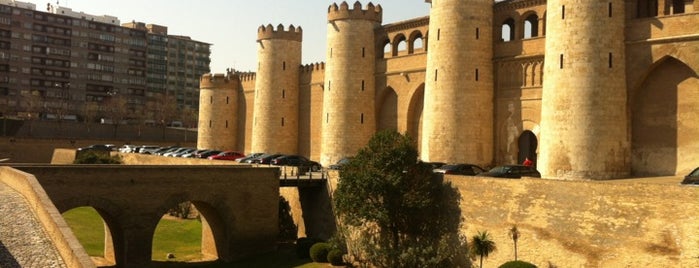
x=276 y=112
x=348 y=98
x=584 y=131
x=458 y=109
x=218 y=118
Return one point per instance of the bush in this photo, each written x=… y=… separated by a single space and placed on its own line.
x=303 y=246
x=319 y=252
x=335 y=257
x=517 y=264
x=95 y=157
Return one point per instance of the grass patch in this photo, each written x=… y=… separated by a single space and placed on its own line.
x=181 y=237
x=88 y=227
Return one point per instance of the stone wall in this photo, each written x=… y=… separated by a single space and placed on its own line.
x=57 y=230
x=583 y=223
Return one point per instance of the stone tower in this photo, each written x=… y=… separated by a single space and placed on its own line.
x=458 y=107
x=218 y=108
x=584 y=131
x=348 y=101
x=275 y=122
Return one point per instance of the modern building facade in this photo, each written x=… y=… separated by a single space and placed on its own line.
x=585 y=89
x=71 y=65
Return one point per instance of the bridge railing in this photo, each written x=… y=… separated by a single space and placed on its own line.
x=301 y=176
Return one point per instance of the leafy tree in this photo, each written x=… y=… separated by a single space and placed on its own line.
x=403 y=214
x=517 y=264
x=482 y=246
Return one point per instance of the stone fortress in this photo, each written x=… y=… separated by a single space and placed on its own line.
x=586 y=89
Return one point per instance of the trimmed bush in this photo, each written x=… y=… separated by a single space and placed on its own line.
x=335 y=257
x=303 y=246
x=517 y=264
x=319 y=252
x=96 y=157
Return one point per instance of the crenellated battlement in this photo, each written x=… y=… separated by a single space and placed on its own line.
x=343 y=12
x=313 y=67
x=218 y=80
x=248 y=76
x=269 y=32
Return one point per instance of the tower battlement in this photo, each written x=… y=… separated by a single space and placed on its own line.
x=218 y=80
x=343 y=12
x=269 y=32
x=247 y=76
x=313 y=67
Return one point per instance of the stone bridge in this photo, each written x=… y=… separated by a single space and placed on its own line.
x=238 y=204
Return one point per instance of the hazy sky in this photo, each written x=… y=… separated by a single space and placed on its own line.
x=231 y=25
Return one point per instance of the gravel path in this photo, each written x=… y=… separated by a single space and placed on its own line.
x=23 y=242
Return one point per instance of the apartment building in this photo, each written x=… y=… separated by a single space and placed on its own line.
x=60 y=63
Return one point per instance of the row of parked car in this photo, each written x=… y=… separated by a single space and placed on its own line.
x=254 y=158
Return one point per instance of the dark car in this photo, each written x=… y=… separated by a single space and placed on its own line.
x=248 y=158
x=512 y=171
x=692 y=177
x=340 y=163
x=460 y=169
x=227 y=155
x=296 y=160
x=206 y=153
x=266 y=158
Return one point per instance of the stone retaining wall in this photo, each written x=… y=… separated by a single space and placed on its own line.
x=52 y=221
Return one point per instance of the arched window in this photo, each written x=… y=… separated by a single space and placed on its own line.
x=418 y=43
x=387 y=48
x=508 y=30
x=677 y=6
x=531 y=26
x=646 y=8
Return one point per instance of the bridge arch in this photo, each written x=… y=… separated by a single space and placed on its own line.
x=213 y=223
x=109 y=213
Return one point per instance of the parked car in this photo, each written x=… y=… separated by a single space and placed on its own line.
x=177 y=152
x=692 y=177
x=512 y=171
x=266 y=158
x=184 y=152
x=340 y=163
x=296 y=160
x=248 y=158
x=460 y=169
x=435 y=165
x=206 y=153
x=227 y=155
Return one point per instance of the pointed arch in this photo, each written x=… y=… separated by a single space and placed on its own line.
x=388 y=110
x=414 y=118
x=663 y=125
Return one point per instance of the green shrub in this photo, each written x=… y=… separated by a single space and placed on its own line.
x=335 y=257
x=303 y=246
x=97 y=157
x=319 y=252
x=517 y=264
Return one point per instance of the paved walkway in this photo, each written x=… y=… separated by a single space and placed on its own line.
x=23 y=241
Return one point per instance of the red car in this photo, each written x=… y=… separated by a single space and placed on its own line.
x=226 y=155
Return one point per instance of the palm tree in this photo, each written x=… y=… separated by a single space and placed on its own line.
x=482 y=245
x=514 y=234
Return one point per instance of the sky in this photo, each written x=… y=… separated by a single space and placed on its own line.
x=231 y=25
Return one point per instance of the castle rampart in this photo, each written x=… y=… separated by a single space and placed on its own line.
x=659 y=69
x=456 y=77
x=581 y=136
x=276 y=114
x=218 y=113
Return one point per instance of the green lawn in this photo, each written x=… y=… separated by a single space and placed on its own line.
x=181 y=237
